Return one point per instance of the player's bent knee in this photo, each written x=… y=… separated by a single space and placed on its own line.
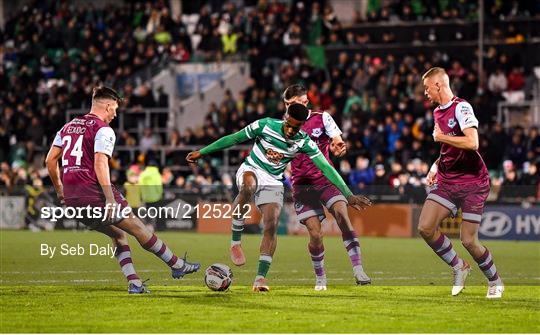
x=135 y=227
x=426 y=231
x=120 y=238
x=316 y=236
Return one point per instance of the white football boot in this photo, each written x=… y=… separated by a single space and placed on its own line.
x=320 y=284
x=459 y=278
x=361 y=277
x=495 y=290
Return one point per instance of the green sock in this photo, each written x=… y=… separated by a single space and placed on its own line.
x=264 y=265
x=237 y=227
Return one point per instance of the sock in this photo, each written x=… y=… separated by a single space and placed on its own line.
x=160 y=249
x=317 y=258
x=237 y=227
x=352 y=245
x=444 y=249
x=123 y=255
x=486 y=264
x=264 y=265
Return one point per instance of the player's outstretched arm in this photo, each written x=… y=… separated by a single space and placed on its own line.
x=358 y=202
x=228 y=141
x=53 y=156
x=223 y=143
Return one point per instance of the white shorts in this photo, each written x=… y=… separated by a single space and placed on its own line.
x=269 y=189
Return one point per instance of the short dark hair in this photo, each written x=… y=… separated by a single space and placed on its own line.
x=103 y=92
x=298 y=112
x=295 y=90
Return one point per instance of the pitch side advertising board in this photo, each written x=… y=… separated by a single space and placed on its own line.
x=510 y=223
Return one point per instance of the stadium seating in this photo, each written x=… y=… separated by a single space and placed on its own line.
x=366 y=74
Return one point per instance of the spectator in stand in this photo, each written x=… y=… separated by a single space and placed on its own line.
x=516 y=80
x=362 y=175
x=377 y=101
x=497 y=82
x=516 y=151
x=510 y=185
x=149 y=141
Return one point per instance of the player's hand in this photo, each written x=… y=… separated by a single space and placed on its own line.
x=431 y=178
x=338 y=149
x=193 y=156
x=358 y=202
x=437 y=133
x=60 y=196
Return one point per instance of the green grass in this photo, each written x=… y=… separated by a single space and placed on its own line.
x=411 y=291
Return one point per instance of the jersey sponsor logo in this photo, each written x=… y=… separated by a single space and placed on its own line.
x=77 y=121
x=495 y=224
x=274 y=156
x=90 y=122
x=75 y=130
x=452 y=123
x=316 y=132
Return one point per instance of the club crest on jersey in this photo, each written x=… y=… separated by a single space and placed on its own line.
x=90 y=122
x=298 y=206
x=452 y=123
x=316 y=132
x=274 y=156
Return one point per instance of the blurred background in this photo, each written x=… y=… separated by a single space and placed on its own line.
x=193 y=71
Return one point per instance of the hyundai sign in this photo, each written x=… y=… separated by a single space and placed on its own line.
x=510 y=223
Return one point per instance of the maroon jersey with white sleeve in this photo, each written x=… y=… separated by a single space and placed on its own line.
x=80 y=139
x=458 y=166
x=321 y=128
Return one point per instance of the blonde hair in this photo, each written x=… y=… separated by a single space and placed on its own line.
x=433 y=72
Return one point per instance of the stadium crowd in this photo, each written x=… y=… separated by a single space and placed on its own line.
x=54 y=54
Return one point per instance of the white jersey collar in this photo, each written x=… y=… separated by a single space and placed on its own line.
x=448 y=104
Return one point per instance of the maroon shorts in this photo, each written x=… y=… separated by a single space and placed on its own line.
x=92 y=201
x=309 y=200
x=469 y=197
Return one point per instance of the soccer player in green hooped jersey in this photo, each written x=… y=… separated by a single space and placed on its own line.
x=260 y=177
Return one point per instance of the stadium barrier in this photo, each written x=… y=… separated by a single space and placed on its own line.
x=397 y=221
x=510 y=223
x=380 y=220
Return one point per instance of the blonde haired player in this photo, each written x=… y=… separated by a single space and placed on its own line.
x=459 y=178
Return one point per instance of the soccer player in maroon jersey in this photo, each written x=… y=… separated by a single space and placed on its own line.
x=312 y=191
x=458 y=178
x=84 y=146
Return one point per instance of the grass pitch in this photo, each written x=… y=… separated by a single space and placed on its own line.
x=411 y=291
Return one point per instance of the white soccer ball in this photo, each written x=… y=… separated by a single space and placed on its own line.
x=218 y=277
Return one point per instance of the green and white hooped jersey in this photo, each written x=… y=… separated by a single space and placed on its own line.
x=272 y=151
